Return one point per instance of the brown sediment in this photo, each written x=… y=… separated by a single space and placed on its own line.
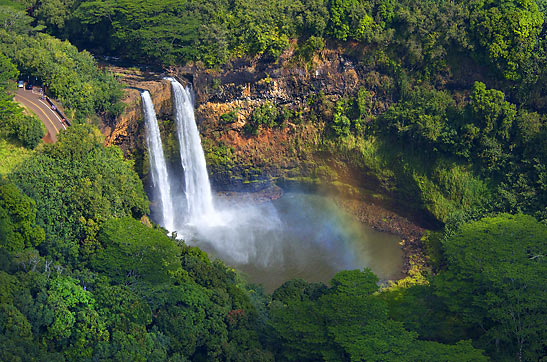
x=47 y=138
x=385 y=220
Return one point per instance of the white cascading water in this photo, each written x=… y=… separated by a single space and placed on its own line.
x=233 y=231
x=158 y=167
x=197 y=187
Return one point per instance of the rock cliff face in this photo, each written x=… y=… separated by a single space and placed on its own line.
x=127 y=131
x=225 y=102
x=287 y=153
x=291 y=153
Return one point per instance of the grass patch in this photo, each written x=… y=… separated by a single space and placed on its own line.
x=437 y=184
x=12 y=4
x=11 y=155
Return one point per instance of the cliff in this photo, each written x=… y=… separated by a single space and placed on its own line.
x=290 y=152
x=127 y=131
x=227 y=101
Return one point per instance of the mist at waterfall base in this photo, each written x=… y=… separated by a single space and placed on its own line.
x=305 y=236
x=298 y=236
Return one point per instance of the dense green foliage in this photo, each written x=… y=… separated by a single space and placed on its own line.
x=508 y=33
x=347 y=322
x=82 y=278
x=266 y=116
x=496 y=267
x=14 y=124
x=19 y=132
x=82 y=315
x=132 y=252
x=26 y=129
x=492 y=289
x=505 y=34
x=503 y=146
x=67 y=74
x=77 y=184
x=18 y=228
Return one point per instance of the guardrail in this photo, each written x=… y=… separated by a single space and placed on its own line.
x=53 y=107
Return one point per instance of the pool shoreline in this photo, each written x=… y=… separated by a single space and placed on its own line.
x=373 y=215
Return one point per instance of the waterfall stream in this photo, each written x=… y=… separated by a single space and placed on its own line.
x=199 y=198
x=234 y=231
x=158 y=167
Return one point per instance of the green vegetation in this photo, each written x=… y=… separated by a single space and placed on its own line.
x=15 y=125
x=347 y=322
x=266 y=115
x=505 y=35
x=17 y=220
x=19 y=133
x=444 y=157
x=496 y=267
x=229 y=117
x=450 y=119
x=11 y=155
x=28 y=130
x=66 y=74
x=77 y=184
x=126 y=240
x=508 y=33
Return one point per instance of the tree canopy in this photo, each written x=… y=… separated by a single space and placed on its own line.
x=77 y=184
x=496 y=267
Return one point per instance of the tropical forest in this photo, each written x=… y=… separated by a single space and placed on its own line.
x=289 y=180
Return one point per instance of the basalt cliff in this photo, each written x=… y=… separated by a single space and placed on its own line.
x=261 y=122
x=264 y=128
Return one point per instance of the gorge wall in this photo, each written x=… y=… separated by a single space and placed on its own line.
x=290 y=154
x=228 y=99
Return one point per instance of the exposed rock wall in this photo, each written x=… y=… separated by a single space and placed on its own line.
x=127 y=131
x=293 y=154
x=281 y=154
x=285 y=155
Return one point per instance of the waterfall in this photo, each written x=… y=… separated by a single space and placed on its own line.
x=160 y=177
x=199 y=198
x=234 y=231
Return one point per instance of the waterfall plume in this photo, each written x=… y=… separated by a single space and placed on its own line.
x=234 y=231
x=158 y=167
x=296 y=236
x=199 y=198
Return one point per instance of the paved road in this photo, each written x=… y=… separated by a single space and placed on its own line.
x=31 y=100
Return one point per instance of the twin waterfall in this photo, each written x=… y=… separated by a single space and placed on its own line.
x=198 y=194
x=308 y=238
x=236 y=231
